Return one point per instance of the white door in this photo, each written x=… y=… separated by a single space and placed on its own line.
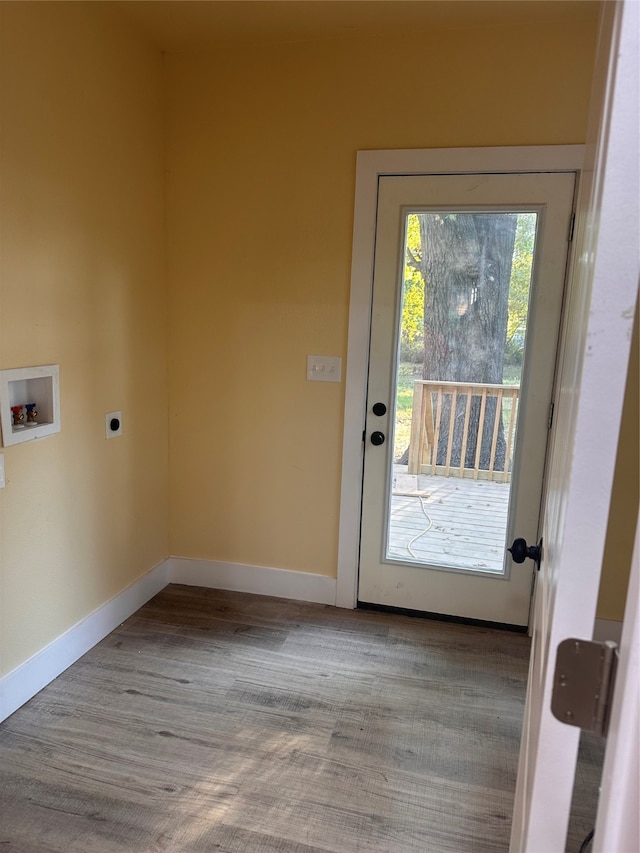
x=436 y=523
x=616 y=823
x=603 y=293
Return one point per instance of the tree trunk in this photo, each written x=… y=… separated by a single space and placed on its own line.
x=465 y=260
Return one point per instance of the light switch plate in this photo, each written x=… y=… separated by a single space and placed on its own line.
x=324 y=368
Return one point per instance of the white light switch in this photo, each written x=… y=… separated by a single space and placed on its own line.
x=324 y=368
x=2 y=480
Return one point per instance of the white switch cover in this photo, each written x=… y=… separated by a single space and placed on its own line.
x=324 y=368
x=2 y=480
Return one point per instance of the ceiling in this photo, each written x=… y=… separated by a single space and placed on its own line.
x=185 y=25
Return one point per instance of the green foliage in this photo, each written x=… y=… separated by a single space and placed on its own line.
x=412 y=331
x=407 y=373
x=519 y=287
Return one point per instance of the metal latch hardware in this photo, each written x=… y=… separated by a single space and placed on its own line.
x=583 y=684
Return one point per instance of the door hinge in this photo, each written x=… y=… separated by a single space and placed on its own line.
x=551 y=408
x=572 y=225
x=583 y=684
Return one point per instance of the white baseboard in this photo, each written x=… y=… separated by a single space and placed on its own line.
x=607 y=629
x=261 y=580
x=22 y=683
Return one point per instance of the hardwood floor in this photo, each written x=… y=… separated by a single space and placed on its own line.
x=584 y=805
x=219 y=721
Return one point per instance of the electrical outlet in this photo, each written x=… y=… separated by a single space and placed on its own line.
x=324 y=368
x=113 y=424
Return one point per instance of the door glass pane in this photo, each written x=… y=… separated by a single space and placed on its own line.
x=463 y=322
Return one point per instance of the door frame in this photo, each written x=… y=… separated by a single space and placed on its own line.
x=428 y=582
x=597 y=337
x=370 y=165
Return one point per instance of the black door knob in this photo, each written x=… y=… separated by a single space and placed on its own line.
x=377 y=438
x=379 y=409
x=520 y=551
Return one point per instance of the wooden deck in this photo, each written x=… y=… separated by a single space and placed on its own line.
x=448 y=521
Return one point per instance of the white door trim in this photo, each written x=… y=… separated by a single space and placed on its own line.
x=585 y=442
x=370 y=165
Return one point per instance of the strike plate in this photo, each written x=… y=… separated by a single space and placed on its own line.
x=583 y=684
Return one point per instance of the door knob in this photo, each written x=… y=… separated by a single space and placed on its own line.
x=377 y=438
x=520 y=551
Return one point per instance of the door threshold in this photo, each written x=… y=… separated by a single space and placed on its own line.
x=442 y=617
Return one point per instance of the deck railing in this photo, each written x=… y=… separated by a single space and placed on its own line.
x=463 y=429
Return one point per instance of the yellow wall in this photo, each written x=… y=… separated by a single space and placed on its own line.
x=81 y=277
x=623 y=514
x=261 y=164
x=260 y=157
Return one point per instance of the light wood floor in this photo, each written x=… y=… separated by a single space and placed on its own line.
x=219 y=721
x=448 y=521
